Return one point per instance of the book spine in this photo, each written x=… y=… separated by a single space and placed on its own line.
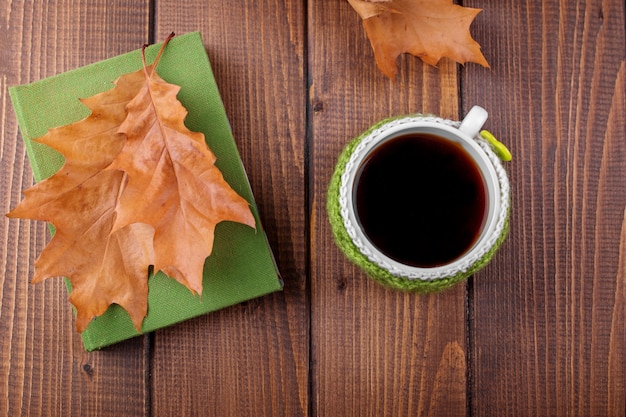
x=14 y=94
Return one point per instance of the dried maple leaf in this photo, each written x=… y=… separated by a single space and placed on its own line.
x=103 y=267
x=173 y=183
x=429 y=29
x=108 y=262
x=79 y=200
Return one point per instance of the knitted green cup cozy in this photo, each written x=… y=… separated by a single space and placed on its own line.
x=383 y=276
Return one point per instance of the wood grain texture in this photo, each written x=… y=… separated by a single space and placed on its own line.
x=44 y=369
x=540 y=332
x=251 y=359
x=548 y=327
x=375 y=351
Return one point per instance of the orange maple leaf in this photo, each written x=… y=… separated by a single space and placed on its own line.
x=429 y=29
x=108 y=232
x=173 y=183
x=79 y=200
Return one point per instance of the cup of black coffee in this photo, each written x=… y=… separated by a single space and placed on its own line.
x=424 y=198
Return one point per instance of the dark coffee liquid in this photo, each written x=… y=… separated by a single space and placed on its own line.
x=421 y=199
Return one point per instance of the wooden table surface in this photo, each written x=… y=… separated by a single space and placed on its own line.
x=540 y=332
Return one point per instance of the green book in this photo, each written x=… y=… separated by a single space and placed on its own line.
x=241 y=266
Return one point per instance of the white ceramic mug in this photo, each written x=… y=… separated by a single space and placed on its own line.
x=495 y=183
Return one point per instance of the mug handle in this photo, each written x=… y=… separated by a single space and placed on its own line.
x=474 y=121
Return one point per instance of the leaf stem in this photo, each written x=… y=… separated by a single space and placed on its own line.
x=158 y=57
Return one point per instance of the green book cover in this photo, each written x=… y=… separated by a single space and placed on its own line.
x=241 y=266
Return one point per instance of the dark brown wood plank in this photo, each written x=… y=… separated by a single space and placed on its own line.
x=375 y=351
x=44 y=369
x=250 y=359
x=548 y=325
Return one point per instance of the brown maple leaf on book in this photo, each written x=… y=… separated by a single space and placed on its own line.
x=137 y=189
